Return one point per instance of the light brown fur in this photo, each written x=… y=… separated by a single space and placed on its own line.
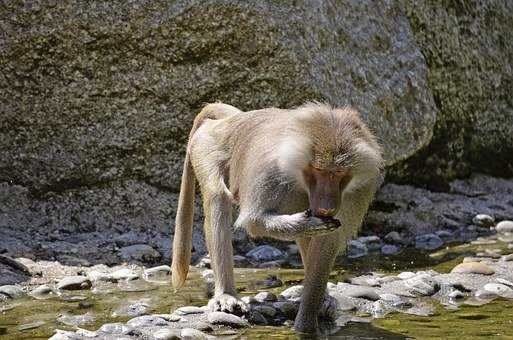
x=259 y=159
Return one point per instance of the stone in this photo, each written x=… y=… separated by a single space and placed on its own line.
x=189 y=310
x=344 y=303
x=139 y=252
x=171 y=334
x=75 y=320
x=473 y=268
x=157 y=274
x=355 y=291
x=389 y=249
x=267 y=311
x=406 y=275
x=504 y=227
x=505 y=282
x=485 y=294
x=287 y=308
x=428 y=242
x=265 y=253
x=356 y=249
x=372 y=242
x=147 y=321
x=393 y=237
x=42 y=292
x=135 y=308
x=499 y=289
x=422 y=284
x=11 y=291
x=74 y=283
x=483 y=220
x=257 y=318
x=292 y=293
x=240 y=261
x=222 y=318
x=265 y=297
x=124 y=274
x=192 y=334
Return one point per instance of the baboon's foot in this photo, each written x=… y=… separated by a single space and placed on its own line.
x=227 y=303
x=328 y=308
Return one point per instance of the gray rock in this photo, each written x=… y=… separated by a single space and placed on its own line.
x=240 y=261
x=365 y=281
x=135 y=308
x=499 y=289
x=221 y=318
x=422 y=284
x=139 y=252
x=265 y=253
x=505 y=282
x=189 y=310
x=157 y=274
x=115 y=328
x=267 y=311
x=11 y=291
x=265 y=297
x=484 y=294
x=123 y=274
x=474 y=268
x=406 y=275
x=192 y=334
x=372 y=242
x=74 y=283
x=389 y=249
x=504 y=227
x=171 y=334
x=147 y=321
x=292 y=293
x=355 y=291
x=428 y=241
x=483 y=220
x=42 y=292
x=356 y=249
x=344 y=303
x=393 y=237
x=75 y=320
x=287 y=308
x=257 y=318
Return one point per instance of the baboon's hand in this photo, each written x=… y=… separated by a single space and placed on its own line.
x=317 y=226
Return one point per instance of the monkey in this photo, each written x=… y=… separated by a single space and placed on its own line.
x=306 y=174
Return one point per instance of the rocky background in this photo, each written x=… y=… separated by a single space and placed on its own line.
x=97 y=98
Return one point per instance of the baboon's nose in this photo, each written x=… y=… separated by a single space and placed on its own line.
x=325 y=212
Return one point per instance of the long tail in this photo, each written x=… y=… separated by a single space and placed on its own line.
x=182 y=241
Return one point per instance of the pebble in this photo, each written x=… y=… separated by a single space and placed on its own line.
x=356 y=249
x=222 y=318
x=504 y=227
x=74 y=283
x=428 y=242
x=473 y=268
x=292 y=293
x=189 y=310
x=157 y=274
x=265 y=253
x=170 y=334
x=483 y=220
x=265 y=297
x=393 y=237
x=11 y=291
x=139 y=252
x=499 y=289
x=42 y=292
x=389 y=249
x=191 y=333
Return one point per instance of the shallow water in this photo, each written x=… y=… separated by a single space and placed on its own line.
x=493 y=320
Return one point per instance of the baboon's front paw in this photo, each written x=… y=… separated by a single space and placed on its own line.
x=321 y=225
x=227 y=303
x=328 y=308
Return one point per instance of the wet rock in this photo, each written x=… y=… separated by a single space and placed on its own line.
x=445 y=235
x=428 y=242
x=483 y=220
x=265 y=297
x=267 y=311
x=257 y=318
x=157 y=274
x=372 y=242
x=422 y=284
x=221 y=318
x=42 y=292
x=390 y=249
x=354 y=291
x=292 y=293
x=499 y=289
x=474 y=268
x=75 y=320
x=287 y=308
x=147 y=321
x=74 y=283
x=393 y=237
x=356 y=249
x=96 y=275
x=192 y=334
x=484 y=294
x=265 y=253
x=11 y=291
x=344 y=303
x=171 y=334
x=136 y=308
x=370 y=281
x=504 y=227
x=189 y=310
x=139 y=252
x=240 y=261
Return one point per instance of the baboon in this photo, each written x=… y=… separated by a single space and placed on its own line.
x=307 y=174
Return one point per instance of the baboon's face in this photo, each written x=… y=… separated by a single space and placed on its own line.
x=326 y=185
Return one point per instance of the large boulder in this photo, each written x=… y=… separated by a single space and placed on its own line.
x=98 y=98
